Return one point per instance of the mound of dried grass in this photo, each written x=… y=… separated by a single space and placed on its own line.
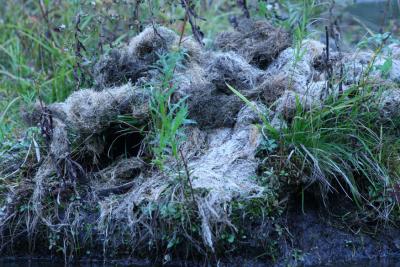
x=257 y=41
x=218 y=164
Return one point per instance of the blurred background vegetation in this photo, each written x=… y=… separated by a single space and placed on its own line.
x=47 y=48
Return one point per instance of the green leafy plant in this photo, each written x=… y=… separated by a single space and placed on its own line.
x=167 y=117
x=386 y=67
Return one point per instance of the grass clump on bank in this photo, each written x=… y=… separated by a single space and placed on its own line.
x=345 y=147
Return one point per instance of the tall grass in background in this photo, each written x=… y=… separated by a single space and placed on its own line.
x=47 y=48
x=35 y=58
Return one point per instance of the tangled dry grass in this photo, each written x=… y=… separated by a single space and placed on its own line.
x=123 y=202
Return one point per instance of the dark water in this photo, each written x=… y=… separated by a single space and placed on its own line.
x=49 y=263
x=391 y=262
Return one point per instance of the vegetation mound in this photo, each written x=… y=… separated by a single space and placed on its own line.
x=181 y=151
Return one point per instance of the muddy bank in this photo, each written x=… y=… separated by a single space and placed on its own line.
x=324 y=238
x=168 y=157
x=315 y=238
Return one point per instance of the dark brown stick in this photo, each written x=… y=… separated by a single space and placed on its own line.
x=327 y=43
x=191 y=16
x=243 y=6
x=136 y=15
x=327 y=62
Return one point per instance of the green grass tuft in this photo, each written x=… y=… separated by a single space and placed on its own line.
x=347 y=147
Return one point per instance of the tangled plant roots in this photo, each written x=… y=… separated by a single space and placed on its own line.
x=131 y=204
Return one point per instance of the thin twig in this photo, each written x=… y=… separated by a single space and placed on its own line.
x=45 y=16
x=328 y=66
x=136 y=15
x=78 y=55
x=183 y=29
x=79 y=47
x=191 y=16
x=243 y=6
x=185 y=165
x=46 y=123
x=337 y=38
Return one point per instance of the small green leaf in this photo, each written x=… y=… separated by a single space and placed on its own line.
x=231 y=238
x=386 y=67
x=262 y=9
